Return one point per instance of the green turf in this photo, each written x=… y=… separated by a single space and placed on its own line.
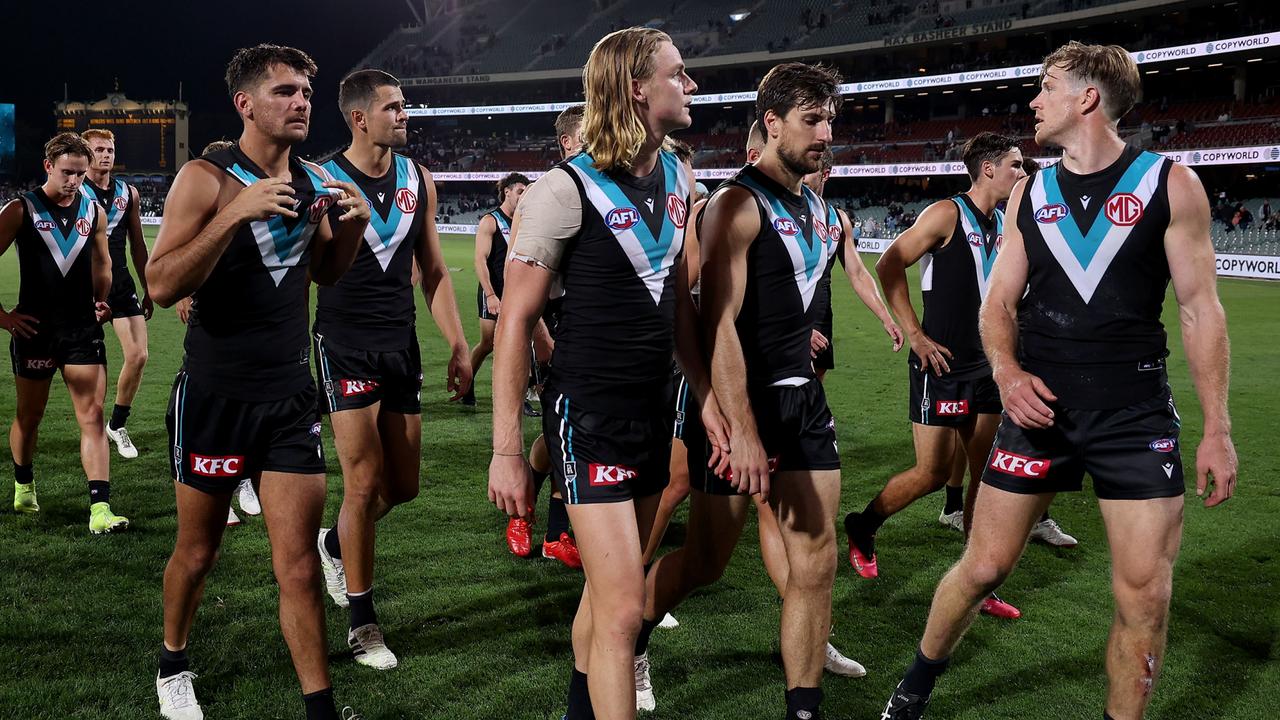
x=481 y=634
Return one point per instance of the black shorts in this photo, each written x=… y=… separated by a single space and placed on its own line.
x=216 y=441
x=350 y=378
x=598 y=458
x=690 y=431
x=37 y=358
x=945 y=402
x=123 y=297
x=482 y=307
x=826 y=358
x=1132 y=453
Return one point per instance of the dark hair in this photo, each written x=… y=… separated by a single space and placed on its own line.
x=359 y=87
x=985 y=147
x=67 y=143
x=216 y=146
x=681 y=149
x=512 y=179
x=249 y=65
x=797 y=85
x=568 y=120
x=1030 y=166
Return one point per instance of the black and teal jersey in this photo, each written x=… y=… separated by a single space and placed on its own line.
x=785 y=264
x=953 y=283
x=832 y=233
x=55 y=261
x=615 y=338
x=116 y=202
x=1089 y=324
x=247 y=333
x=372 y=306
x=497 y=259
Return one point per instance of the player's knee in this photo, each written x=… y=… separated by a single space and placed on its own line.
x=812 y=571
x=137 y=357
x=29 y=420
x=1144 y=603
x=987 y=574
x=621 y=619
x=194 y=560
x=398 y=494
x=296 y=572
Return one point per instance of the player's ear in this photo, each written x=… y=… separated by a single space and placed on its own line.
x=637 y=91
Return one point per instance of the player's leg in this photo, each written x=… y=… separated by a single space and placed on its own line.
x=132 y=333
x=1144 y=536
x=976 y=438
x=32 y=397
x=953 y=510
x=87 y=385
x=478 y=354
x=674 y=494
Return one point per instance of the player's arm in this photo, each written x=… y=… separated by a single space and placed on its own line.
x=194 y=232
x=336 y=246
x=19 y=324
x=138 y=248
x=931 y=230
x=484 y=245
x=1189 y=249
x=692 y=249
x=862 y=282
x=730 y=225
x=1024 y=395
x=437 y=288
x=101 y=267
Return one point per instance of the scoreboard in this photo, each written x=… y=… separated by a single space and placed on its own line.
x=150 y=137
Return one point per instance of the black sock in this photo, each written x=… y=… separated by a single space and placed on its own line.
x=579 y=705
x=331 y=543
x=99 y=491
x=1107 y=716
x=173 y=662
x=1045 y=516
x=923 y=674
x=955 y=499
x=869 y=521
x=362 y=609
x=642 y=640
x=557 y=519
x=538 y=479
x=24 y=474
x=803 y=702
x=119 y=416
x=319 y=705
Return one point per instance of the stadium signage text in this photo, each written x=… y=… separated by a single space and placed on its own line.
x=963 y=31
x=1258 y=267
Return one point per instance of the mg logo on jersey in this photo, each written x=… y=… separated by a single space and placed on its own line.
x=121 y=203
x=357 y=387
x=1163 y=445
x=229 y=466
x=676 y=210
x=44 y=225
x=823 y=231
x=83 y=226
x=1019 y=465
x=952 y=407
x=999 y=241
x=1124 y=209
x=623 y=218
x=406 y=200
x=785 y=226
x=1052 y=213
x=975 y=239
x=602 y=475
x=834 y=232
x=318 y=208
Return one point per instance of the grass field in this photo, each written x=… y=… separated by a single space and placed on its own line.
x=481 y=634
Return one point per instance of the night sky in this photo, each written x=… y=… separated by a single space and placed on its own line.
x=150 y=46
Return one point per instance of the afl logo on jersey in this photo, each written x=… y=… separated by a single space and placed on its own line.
x=1052 y=213
x=406 y=200
x=83 y=226
x=44 y=225
x=975 y=239
x=121 y=203
x=1124 y=209
x=623 y=218
x=318 y=208
x=785 y=226
x=676 y=210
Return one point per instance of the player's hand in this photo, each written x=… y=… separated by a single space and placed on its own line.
x=265 y=199
x=1216 y=462
x=349 y=197
x=717 y=429
x=511 y=485
x=101 y=312
x=895 y=334
x=19 y=324
x=183 y=308
x=748 y=465
x=932 y=355
x=148 y=307
x=492 y=303
x=1025 y=398
x=817 y=343
x=459 y=373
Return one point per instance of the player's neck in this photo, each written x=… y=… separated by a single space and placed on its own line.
x=508 y=210
x=369 y=158
x=984 y=198
x=102 y=178
x=1091 y=148
x=771 y=164
x=271 y=156
x=647 y=159
x=54 y=193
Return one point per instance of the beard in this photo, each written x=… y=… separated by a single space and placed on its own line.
x=798 y=162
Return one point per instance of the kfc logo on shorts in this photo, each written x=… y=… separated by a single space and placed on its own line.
x=953 y=407
x=785 y=226
x=318 y=208
x=1019 y=465
x=1163 y=445
x=975 y=239
x=1124 y=209
x=676 y=210
x=230 y=466
x=623 y=218
x=1052 y=213
x=39 y=364
x=44 y=225
x=121 y=203
x=406 y=200
x=357 y=387
x=83 y=226
x=604 y=475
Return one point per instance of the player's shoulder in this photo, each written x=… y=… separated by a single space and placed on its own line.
x=316 y=168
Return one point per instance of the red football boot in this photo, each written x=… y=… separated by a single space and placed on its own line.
x=519 y=537
x=996 y=607
x=565 y=550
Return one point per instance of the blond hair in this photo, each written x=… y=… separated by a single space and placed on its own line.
x=1109 y=67
x=97 y=134
x=612 y=126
